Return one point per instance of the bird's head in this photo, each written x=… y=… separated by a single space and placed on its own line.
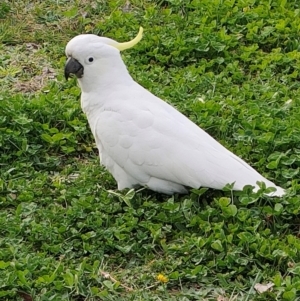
x=88 y=53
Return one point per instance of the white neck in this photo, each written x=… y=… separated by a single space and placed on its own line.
x=96 y=88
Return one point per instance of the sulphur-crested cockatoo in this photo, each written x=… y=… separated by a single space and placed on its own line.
x=142 y=140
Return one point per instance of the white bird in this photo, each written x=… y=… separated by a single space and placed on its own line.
x=142 y=140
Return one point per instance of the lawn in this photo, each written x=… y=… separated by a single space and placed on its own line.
x=67 y=233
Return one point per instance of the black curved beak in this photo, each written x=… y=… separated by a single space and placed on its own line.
x=73 y=67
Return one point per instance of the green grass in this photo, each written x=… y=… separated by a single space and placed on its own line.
x=66 y=233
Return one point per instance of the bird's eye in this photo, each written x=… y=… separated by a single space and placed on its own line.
x=91 y=59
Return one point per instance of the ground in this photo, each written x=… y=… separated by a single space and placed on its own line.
x=66 y=233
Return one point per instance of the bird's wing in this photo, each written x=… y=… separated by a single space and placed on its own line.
x=148 y=138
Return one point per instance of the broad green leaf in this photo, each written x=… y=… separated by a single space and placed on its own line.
x=108 y=284
x=277 y=280
x=4 y=265
x=229 y=211
x=278 y=207
x=22 y=276
x=217 y=245
x=223 y=202
x=71 y=13
x=289 y=295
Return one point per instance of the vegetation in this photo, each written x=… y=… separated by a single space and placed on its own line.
x=66 y=233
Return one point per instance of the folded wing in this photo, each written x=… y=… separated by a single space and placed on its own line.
x=144 y=141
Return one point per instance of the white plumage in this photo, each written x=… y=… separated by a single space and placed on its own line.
x=142 y=140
